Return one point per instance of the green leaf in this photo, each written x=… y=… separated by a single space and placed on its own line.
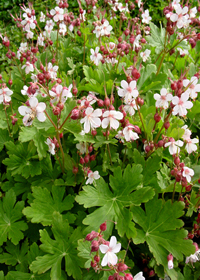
x=157 y=38
x=84 y=249
x=160 y=227
x=4 y=138
x=113 y=203
x=11 y=225
x=145 y=73
x=16 y=255
x=21 y=160
x=16 y=275
x=63 y=246
x=194 y=203
x=45 y=203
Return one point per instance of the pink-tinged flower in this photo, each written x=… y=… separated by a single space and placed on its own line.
x=49 y=25
x=110 y=118
x=187 y=133
x=188 y=173
x=162 y=99
x=5 y=94
x=52 y=70
x=130 y=107
x=139 y=3
x=81 y=147
x=145 y=55
x=175 y=3
x=194 y=257
x=181 y=17
x=42 y=17
x=40 y=40
x=29 y=34
x=128 y=91
x=128 y=133
x=51 y=146
x=170 y=261
x=91 y=98
x=174 y=146
x=95 y=56
x=28 y=23
x=110 y=250
x=61 y=94
x=193 y=12
x=28 y=67
x=97 y=31
x=57 y=13
x=190 y=146
x=193 y=88
x=182 y=52
x=91 y=119
x=139 y=276
x=105 y=28
x=111 y=46
x=35 y=110
x=145 y=17
x=181 y=104
x=92 y=176
x=136 y=42
x=62 y=28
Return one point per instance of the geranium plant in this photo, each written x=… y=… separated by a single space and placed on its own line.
x=100 y=143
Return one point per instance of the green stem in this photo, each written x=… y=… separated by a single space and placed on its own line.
x=50 y=119
x=141 y=119
x=7 y=121
x=173 y=192
x=161 y=62
x=62 y=152
x=66 y=119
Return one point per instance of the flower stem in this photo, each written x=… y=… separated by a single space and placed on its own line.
x=50 y=119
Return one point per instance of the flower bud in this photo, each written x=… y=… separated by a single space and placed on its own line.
x=94 y=246
x=103 y=226
x=122 y=267
x=75 y=114
x=170 y=261
x=128 y=276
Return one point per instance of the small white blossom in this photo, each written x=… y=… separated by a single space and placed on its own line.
x=174 y=146
x=139 y=276
x=193 y=87
x=162 y=99
x=181 y=17
x=28 y=67
x=145 y=17
x=181 y=104
x=62 y=28
x=92 y=176
x=51 y=146
x=57 y=14
x=110 y=118
x=128 y=91
x=52 y=70
x=129 y=134
x=5 y=94
x=188 y=173
x=91 y=119
x=95 y=56
x=42 y=17
x=81 y=147
x=106 y=28
x=182 y=52
x=40 y=40
x=61 y=94
x=193 y=258
x=110 y=258
x=145 y=55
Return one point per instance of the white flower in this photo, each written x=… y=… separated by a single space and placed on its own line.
x=91 y=119
x=188 y=173
x=52 y=70
x=145 y=55
x=35 y=110
x=111 y=46
x=193 y=12
x=106 y=28
x=129 y=135
x=40 y=40
x=29 y=34
x=174 y=146
x=5 y=94
x=92 y=176
x=51 y=146
x=181 y=17
x=62 y=28
x=61 y=94
x=97 y=31
x=187 y=133
x=57 y=13
x=163 y=98
x=81 y=147
x=130 y=107
x=110 y=258
x=194 y=257
x=136 y=42
x=170 y=264
x=95 y=56
x=145 y=17
x=128 y=91
x=49 y=25
x=28 y=67
x=111 y=117
x=139 y=276
x=190 y=146
x=28 y=23
x=42 y=17
x=181 y=104
x=139 y=3
x=175 y=3
x=182 y=52
x=193 y=86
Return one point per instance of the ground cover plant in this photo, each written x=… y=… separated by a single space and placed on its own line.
x=99 y=141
